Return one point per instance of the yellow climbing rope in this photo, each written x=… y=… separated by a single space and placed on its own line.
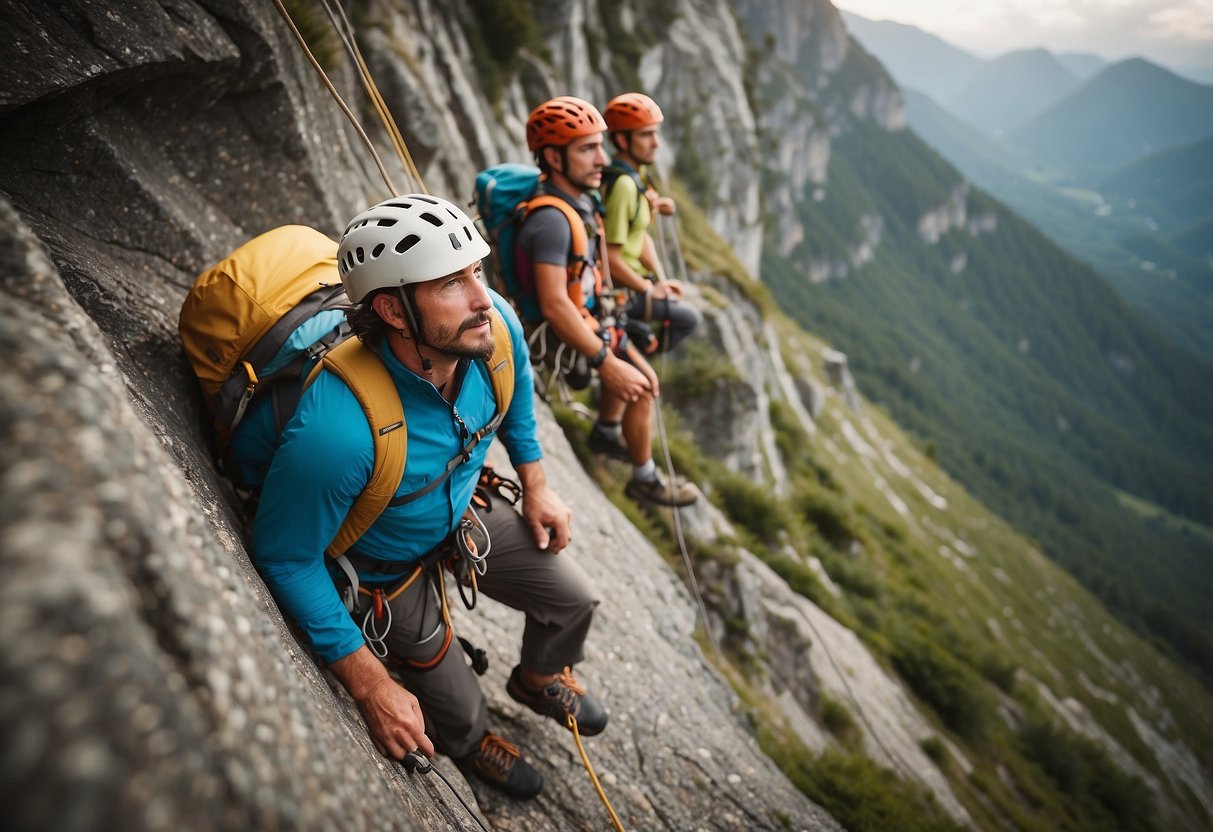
x=571 y=722
x=345 y=34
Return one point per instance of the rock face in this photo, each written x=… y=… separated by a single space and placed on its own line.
x=150 y=682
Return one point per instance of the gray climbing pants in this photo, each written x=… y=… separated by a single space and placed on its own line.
x=552 y=590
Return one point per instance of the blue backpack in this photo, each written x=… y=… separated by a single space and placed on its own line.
x=504 y=195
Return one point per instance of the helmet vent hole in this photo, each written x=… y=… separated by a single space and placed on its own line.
x=454 y=241
x=407 y=243
x=360 y=254
x=376 y=251
x=397 y=205
x=467 y=232
x=426 y=199
x=386 y=223
x=431 y=219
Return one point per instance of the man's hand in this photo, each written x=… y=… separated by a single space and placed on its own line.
x=393 y=715
x=667 y=289
x=543 y=510
x=660 y=204
x=648 y=372
x=626 y=381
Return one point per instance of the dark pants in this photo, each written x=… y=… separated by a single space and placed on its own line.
x=659 y=325
x=555 y=594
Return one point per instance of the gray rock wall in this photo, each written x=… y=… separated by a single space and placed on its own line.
x=149 y=680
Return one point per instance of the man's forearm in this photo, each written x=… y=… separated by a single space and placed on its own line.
x=531 y=476
x=624 y=275
x=360 y=673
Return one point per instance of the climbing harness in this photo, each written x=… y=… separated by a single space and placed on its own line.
x=463 y=552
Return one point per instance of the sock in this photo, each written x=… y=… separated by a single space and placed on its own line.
x=609 y=430
x=646 y=472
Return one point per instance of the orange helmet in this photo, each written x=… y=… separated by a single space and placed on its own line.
x=559 y=121
x=631 y=111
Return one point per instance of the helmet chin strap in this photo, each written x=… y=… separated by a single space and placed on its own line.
x=415 y=326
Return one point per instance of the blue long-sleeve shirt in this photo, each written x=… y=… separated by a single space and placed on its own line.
x=325 y=458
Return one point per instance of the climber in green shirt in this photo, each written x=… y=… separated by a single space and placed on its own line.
x=658 y=320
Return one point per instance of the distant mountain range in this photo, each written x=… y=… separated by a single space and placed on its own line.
x=913 y=57
x=1126 y=112
x=1175 y=186
x=1110 y=161
x=1010 y=90
x=1150 y=234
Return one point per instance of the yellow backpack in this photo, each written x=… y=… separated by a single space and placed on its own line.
x=241 y=312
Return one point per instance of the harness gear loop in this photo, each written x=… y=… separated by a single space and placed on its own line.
x=374 y=634
x=504 y=487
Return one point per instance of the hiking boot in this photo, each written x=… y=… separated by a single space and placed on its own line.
x=615 y=448
x=499 y=763
x=658 y=491
x=560 y=697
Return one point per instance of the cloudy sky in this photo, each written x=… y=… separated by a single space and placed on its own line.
x=1178 y=33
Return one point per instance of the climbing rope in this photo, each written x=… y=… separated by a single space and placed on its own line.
x=345 y=31
x=286 y=16
x=415 y=762
x=678 y=534
x=664 y=251
x=571 y=723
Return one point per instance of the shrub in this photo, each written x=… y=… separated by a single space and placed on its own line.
x=837 y=719
x=862 y=796
x=1097 y=791
x=752 y=506
x=829 y=514
x=945 y=683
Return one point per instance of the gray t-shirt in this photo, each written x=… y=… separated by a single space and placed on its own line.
x=545 y=237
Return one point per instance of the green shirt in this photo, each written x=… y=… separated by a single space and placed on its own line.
x=625 y=201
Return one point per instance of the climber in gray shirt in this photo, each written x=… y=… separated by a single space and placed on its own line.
x=566 y=136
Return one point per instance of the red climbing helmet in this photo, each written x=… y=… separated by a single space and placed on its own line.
x=559 y=121
x=631 y=111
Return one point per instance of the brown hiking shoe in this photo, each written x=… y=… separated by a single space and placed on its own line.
x=657 y=490
x=499 y=763
x=561 y=697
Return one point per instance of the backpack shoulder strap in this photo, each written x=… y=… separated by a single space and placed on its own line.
x=581 y=243
x=501 y=366
x=612 y=173
x=581 y=247
x=363 y=372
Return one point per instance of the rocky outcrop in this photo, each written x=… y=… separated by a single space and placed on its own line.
x=150 y=681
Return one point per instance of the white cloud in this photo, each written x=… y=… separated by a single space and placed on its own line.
x=1176 y=32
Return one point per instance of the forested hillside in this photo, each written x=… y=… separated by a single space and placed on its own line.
x=1015 y=364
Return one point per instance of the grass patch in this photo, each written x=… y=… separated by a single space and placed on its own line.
x=861 y=795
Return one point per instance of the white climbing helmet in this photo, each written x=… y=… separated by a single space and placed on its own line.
x=407 y=239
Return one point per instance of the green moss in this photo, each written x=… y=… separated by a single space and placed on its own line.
x=500 y=30
x=317 y=32
x=1099 y=792
x=862 y=796
x=948 y=685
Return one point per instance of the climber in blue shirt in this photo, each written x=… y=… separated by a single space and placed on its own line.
x=411 y=266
